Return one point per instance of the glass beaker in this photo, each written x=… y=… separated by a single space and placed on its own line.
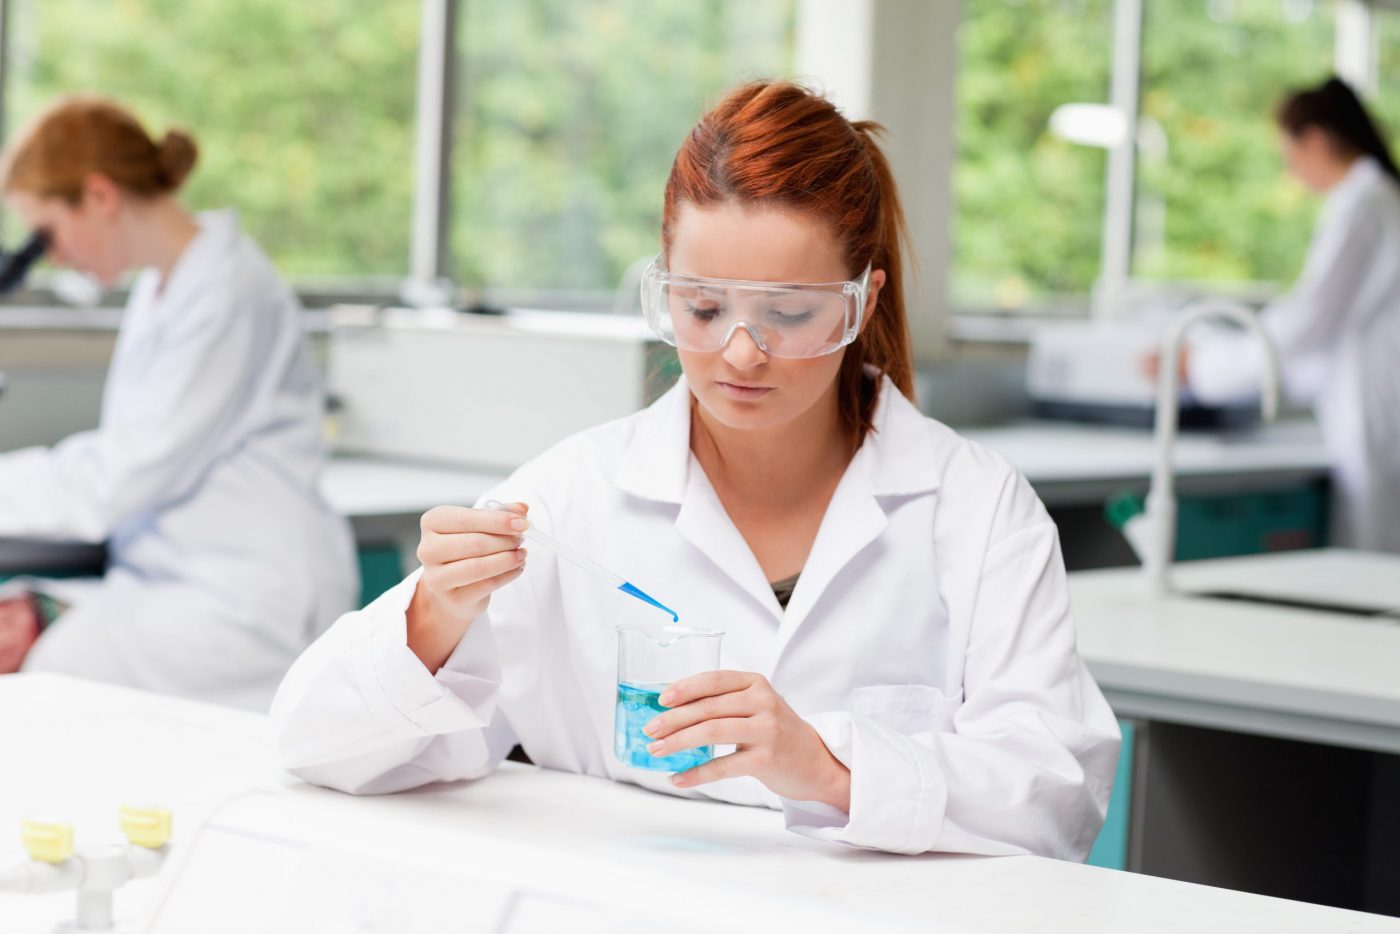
x=649 y=657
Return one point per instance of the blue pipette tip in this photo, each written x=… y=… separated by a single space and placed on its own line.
x=642 y=595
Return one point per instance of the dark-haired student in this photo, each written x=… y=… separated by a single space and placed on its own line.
x=1337 y=330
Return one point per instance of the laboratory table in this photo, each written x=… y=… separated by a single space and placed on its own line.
x=1066 y=463
x=525 y=849
x=1069 y=465
x=1262 y=696
x=1242 y=490
x=1076 y=463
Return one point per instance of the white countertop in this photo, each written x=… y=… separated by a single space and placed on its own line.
x=578 y=838
x=1067 y=464
x=1066 y=460
x=1278 y=670
x=1062 y=460
x=1358 y=580
x=363 y=487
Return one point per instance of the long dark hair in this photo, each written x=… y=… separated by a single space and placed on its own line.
x=1334 y=108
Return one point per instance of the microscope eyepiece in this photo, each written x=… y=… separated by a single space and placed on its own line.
x=15 y=266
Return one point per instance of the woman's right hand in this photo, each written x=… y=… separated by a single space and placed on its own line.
x=467 y=555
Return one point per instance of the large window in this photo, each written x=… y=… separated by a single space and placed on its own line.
x=1213 y=202
x=1029 y=204
x=569 y=114
x=304 y=111
x=1210 y=205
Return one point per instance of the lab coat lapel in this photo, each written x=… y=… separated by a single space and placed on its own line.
x=658 y=466
x=704 y=523
x=853 y=520
x=897 y=460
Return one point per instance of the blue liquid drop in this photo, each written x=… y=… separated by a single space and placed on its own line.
x=634 y=591
x=637 y=704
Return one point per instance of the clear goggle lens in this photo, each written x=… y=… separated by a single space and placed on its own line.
x=785 y=320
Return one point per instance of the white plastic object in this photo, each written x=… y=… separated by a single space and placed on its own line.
x=76 y=288
x=94 y=873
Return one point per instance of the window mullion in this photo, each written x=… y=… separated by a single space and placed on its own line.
x=1117 y=249
x=429 y=257
x=1354 y=55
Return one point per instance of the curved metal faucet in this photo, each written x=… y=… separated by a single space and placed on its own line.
x=1161 y=496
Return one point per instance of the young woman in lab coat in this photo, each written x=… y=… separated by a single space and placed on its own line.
x=224 y=561
x=900 y=668
x=1337 y=331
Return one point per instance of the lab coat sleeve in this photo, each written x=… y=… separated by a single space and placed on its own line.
x=1305 y=324
x=1023 y=763
x=156 y=447
x=360 y=713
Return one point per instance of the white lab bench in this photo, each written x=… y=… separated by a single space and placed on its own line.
x=1066 y=463
x=1265 y=696
x=1074 y=469
x=1075 y=463
x=384 y=499
x=1261 y=667
x=580 y=850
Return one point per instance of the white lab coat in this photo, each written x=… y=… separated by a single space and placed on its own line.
x=1338 y=337
x=224 y=561
x=929 y=642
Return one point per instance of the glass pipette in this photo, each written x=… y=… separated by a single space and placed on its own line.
x=615 y=581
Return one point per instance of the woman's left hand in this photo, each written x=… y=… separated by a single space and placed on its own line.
x=775 y=745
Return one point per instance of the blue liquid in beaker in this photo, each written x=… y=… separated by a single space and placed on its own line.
x=637 y=704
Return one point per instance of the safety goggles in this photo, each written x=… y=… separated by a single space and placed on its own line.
x=791 y=320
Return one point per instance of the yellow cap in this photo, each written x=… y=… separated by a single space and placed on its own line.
x=148 y=827
x=48 y=840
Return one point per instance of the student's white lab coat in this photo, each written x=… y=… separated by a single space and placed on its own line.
x=224 y=561
x=929 y=642
x=1338 y=337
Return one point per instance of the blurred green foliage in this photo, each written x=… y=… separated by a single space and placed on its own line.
x=1212 y=73
x=570 y=111
x=1213 y=203
x=1029 y=205
x=1388 y=91
x=569 y=114
x=303 y=110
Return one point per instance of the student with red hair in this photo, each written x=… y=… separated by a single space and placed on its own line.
x=224 y=560
x=899 y=666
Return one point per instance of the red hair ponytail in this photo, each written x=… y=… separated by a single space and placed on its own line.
x=775 y=144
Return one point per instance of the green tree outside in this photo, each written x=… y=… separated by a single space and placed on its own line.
x=1387 y=101
x=570 y=111
x=1028 y=219
x=569 y=115
x=304 y=111
x=1212 y=74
